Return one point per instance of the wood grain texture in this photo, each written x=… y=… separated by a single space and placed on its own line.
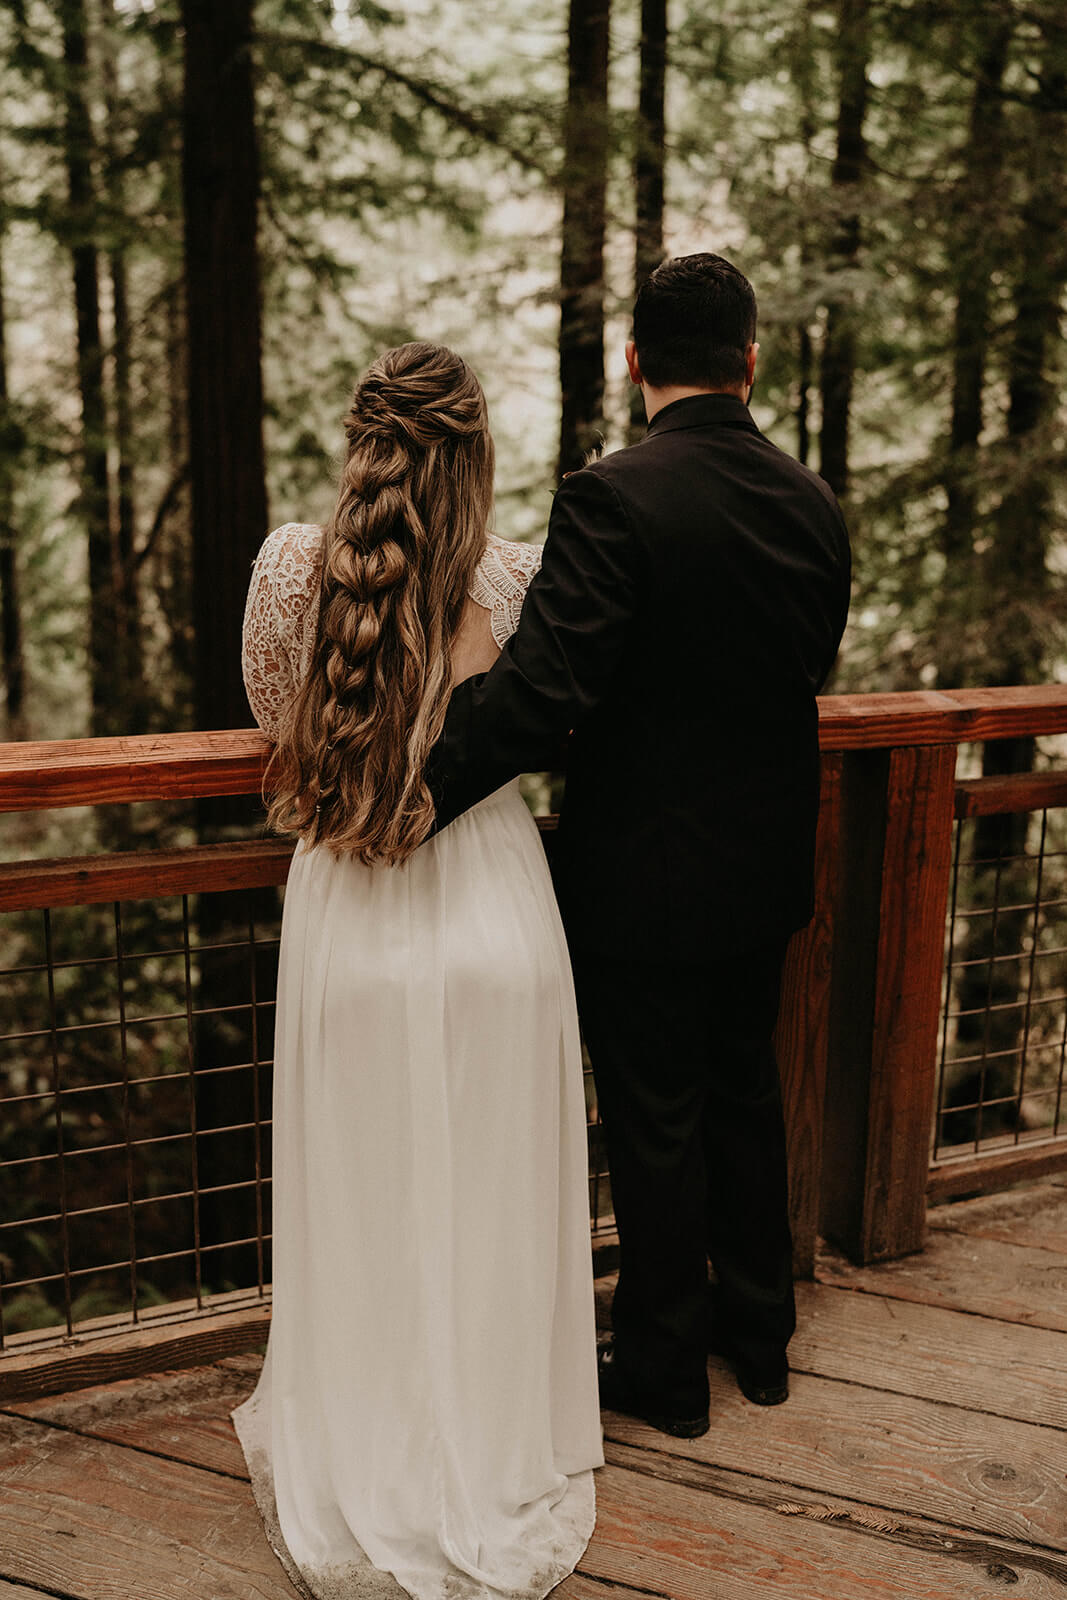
x=144 y=874
x=895 y=851
x=1017 y=791
x=951 y=1356
x=705 y=1535
x=26 y=1371
x=150 y=874
x=917 y=1457
x=1035 y=1216
x=995 y=1169
x=802 y=1035
x=730 y=1517
x=868 y=1523
x=1012 y=1283
x=860 y=849
x=93 y=1520
x=170 y=766
x=180 y=1415
x=18 y=1591
x=581 y=1587
x=915 y=878
x=75 y=772
x=923 y=717
x=184 y=1416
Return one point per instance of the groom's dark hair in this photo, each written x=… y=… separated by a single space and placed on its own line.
x=694 y=320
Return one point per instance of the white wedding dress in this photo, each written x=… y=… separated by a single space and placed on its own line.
x=427 y=1411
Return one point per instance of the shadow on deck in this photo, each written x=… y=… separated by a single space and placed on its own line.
x=922 y=1454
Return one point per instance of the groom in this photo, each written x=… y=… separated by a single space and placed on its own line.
x=689 y=607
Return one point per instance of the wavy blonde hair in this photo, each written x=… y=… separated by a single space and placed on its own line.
x=399 y=554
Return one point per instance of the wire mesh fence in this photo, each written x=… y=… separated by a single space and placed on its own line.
x=136 y=1054
x=135 y=1106
x=1003 y=1047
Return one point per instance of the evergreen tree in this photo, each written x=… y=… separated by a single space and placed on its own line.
x=225 y=387
x=78 y=151
x=584 y=184
x=12 y=655
x=850 y=162
x=650 y=158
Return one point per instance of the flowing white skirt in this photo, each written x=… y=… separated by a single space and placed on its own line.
x=428 y=1406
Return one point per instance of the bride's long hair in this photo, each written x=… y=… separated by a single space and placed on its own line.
x=399 y=554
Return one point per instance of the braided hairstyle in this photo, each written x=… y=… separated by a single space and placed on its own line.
x=399 y=554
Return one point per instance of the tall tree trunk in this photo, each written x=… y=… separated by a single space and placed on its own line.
x=78 y=153
x=805 y=79
x=175 y=560
x=849 y=167
x=129 y=656
x=975 y=252
x=1016 y=583
x=12 y=656
x=227 y=472
x=584 y=178
x=1017 y=560
x=805 y=374
x=220 y=181
x=649 y=161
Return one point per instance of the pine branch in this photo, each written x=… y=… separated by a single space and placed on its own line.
x=480 y=124
x=166 y=505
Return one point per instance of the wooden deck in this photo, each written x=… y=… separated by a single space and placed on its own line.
x=922 y=1454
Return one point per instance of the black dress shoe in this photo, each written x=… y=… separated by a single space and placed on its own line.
x=617 y=1393
x=769 y=1387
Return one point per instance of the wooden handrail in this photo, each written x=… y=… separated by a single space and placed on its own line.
x=928 y=717
x=151 y=874
x=144 y=874
x=183 y=766
x=1015 y=791
x=168 y=766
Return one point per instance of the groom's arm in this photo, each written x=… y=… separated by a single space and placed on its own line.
x=554 y=670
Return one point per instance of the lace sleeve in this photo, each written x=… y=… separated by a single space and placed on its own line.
x=501 y=580
x=280 y=616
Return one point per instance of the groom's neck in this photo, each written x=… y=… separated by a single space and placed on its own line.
x=656 y=399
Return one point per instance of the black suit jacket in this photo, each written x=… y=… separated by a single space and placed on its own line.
x=690 y=604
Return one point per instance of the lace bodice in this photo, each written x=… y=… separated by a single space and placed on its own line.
x=283 y=601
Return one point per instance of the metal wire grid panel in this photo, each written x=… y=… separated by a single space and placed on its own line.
x=135 y=1107
x=135 y=1098
x=1003 y=1049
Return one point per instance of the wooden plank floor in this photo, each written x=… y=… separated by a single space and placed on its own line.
x=922 y=1454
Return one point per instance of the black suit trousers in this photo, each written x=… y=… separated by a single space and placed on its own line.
x=689 y=1095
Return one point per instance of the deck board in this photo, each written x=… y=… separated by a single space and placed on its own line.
x=871 y=1524
x=1035 y=1216
x=97 y=1521
x=922 y=1455
x=579 y=1586
x=933 y=1353
x=680 y=1541
x=1008 y=1282
x=917 y=1457
x=183 y=1416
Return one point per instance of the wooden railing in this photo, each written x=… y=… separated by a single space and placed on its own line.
x=858 y=1034
x=858 y=1039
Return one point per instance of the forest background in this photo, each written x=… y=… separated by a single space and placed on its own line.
x=348 y=174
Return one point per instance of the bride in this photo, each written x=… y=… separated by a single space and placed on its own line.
x=427 y=1411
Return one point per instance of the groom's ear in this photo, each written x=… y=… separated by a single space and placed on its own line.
x=632 y=362
x=750 y=364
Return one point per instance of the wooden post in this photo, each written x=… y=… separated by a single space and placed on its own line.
x=895 y=844
x=802 y=1036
